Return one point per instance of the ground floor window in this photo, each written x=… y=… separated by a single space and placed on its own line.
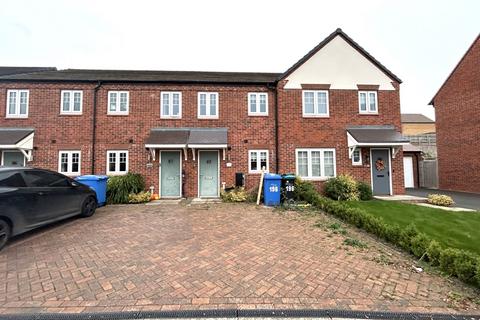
x=257 y=160
x=69 y=162
x=117 y=162
x=357 y=157
x=315 y=163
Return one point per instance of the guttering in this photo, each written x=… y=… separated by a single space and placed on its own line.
x=94 y=125
x=275 y=92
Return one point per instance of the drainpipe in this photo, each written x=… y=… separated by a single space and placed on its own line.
x=94 y=124
x=277 y=161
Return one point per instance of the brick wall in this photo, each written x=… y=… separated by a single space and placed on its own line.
x=457 y=114
x=297 y=132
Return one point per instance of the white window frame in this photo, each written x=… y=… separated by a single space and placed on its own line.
x=367 y=100
x=170 y=105
x=117 y=112
x=258 y=151
x=116 y=172
x=315 y=113
x=69 y=171
x=207 y=101
x=71 y=102
x=257 y=112
x=309 y=151
x=17 y=114
x=359 y=162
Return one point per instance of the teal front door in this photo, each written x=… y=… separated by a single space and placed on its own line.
x=170 y=174
x=208 y=174
x=13 y=159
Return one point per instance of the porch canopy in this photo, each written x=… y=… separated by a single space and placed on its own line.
x=375 y=136
x=20 y=139
x=183 y=138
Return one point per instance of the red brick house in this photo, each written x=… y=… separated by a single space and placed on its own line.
x=188 y=133
x=457 y=116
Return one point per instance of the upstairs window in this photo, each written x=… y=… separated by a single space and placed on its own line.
x=316 y=163
x=118 y=102
x=315 y=103
x=257 y=160
x=71 y=102
x=69 y=163
x=258 y=104
x=17 y=104
x=367 y=101
x=171 y=105
x=117 y=162
x=208 y=105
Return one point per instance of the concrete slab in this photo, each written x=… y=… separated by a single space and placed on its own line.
x=445 y=208
x=164 y=202
x=402 y=197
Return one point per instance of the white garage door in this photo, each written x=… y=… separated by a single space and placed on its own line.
x=408 y=172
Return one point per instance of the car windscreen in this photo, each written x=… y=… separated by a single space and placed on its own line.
x=11 y=179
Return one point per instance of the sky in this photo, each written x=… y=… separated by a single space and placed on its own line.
x=419 y=41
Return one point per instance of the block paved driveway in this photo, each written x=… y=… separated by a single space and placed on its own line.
x=173 y=257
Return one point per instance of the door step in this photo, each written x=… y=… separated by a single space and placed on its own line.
x=163 y=202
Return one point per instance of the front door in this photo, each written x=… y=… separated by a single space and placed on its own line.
x=170 y=174
x=208 y=174
x=13 y=159
x=381 y=171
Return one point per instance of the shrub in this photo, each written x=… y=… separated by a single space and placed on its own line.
x=433 y=252
x=343 y=187
x=365 y=191
x=304 y=191
x=140 y=197
x=447 y=260
x=119 y=187
x=440 y=200
x=477 y=273
x=419 y=244
x=406 y=237
x=465 y=266
x=235 y=195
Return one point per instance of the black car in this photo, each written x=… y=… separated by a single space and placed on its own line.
x=30 y=198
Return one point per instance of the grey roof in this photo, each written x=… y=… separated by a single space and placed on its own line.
x=168 y=136
x=415 y=118
x=376 y=134
x=11 y=136
x=411 y=148
x=5 y=71
x=147 y=76
x=350 y=41
x=208 y=136
x=194 y=136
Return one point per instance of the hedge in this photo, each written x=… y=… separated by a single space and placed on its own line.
x=459 y=263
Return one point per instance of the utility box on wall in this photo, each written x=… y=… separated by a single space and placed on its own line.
x=239 y=179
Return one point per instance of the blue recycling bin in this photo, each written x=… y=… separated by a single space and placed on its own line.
x=271 y=189
x=97 y=183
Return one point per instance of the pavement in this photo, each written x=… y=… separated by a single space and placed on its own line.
x=462 y=199
x=213 y=256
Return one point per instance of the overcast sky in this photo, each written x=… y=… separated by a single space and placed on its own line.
x=419 y=41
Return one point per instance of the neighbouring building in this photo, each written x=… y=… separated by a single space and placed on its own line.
x=420 y=130
x=457 y=116
x=336 y=111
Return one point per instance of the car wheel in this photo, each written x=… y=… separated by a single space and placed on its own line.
x=89 y=206
x=5 y=232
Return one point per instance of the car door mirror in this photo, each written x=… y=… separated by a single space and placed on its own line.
x=74 y=183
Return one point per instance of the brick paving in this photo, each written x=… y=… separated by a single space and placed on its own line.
x=178 y=257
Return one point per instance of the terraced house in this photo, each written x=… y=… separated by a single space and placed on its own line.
x=337 y=110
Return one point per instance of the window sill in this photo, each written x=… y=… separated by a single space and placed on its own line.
x=368 y=114
x=315 y=178
x=71 y=114
x=16 y=117
x=117 y=114
x=257 y=172
x=71 y=174
x=356 y=164
x=207 y=118
x=258 y=114
x=170 y=118
x=315 y=116
x=116 y=173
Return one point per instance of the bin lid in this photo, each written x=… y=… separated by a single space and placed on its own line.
x=91 y=177
x=272 y=176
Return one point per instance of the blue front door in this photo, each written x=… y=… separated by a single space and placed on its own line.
x=208 y=174
x=171 y=175
x=381 y=171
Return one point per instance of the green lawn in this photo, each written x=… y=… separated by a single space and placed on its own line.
x=454 y=229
